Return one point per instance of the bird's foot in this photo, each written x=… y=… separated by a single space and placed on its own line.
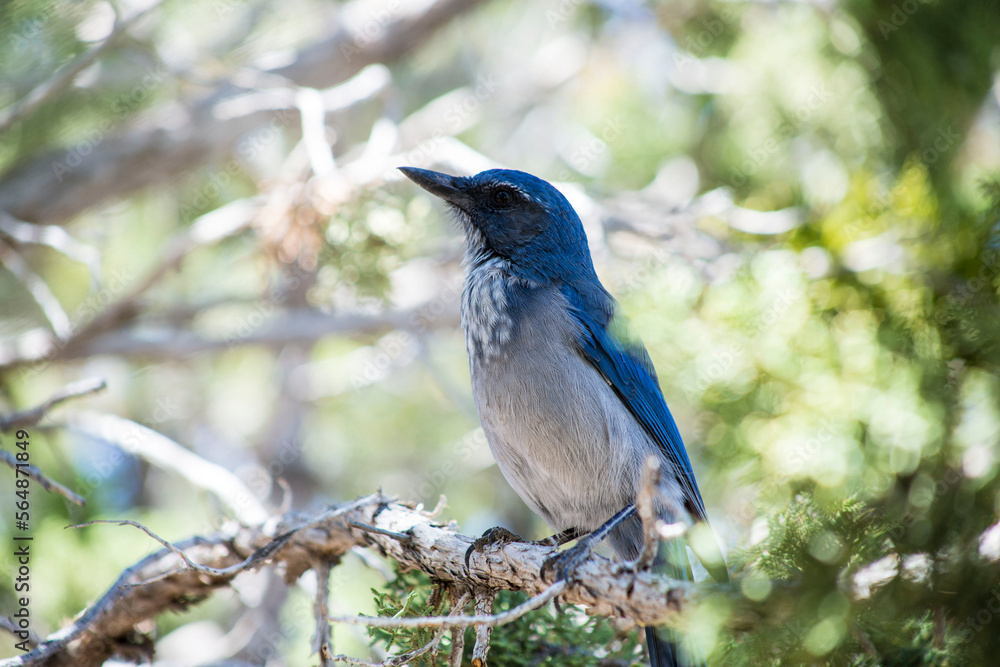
x=494 y=536
x=564 y=564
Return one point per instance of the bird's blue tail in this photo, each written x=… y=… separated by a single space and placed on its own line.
x=663 y=644
x=661 y=651
x=663 y=647
x=667 y=647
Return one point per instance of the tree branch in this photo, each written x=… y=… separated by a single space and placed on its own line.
x=300 y=325
x=35 y=473
x=46 y=190
x=34 y=415
x=297 y=541
x=166 y=454
x=65 y=75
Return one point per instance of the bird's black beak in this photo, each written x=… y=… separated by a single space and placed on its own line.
x=452 y=189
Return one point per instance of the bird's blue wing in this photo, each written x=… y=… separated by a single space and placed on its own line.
x=625 y=364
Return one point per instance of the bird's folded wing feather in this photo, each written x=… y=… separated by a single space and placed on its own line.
x=624 y=363
x=626 y=370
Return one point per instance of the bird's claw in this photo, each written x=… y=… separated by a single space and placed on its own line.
x=496 y=535
x=565 y=564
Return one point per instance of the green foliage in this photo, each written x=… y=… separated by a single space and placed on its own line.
x=808 y=541
x=409 y=595
x=801 y=577
x=560 y=637
x=546 y=637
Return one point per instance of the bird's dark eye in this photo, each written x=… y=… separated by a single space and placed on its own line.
x=503 y=197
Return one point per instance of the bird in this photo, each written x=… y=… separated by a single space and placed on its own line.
x=567 y=395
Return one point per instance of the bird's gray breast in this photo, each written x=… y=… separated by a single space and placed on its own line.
x=561 y=436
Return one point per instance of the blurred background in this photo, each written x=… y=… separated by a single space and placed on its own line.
x=797 y=204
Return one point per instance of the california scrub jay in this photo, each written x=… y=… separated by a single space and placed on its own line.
x=569 y=401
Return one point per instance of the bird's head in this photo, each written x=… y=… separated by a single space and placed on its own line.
x=514 y=216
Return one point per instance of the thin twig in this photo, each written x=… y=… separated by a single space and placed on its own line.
x=405 y=658
x=396 y=660
x=34 y=415
x=7 y=623
x=251 y=561
x=402 y=537
x=645 y=508
x=36 y=474
x=491 y=620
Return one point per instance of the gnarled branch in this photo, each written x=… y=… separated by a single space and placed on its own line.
x=297 y=541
